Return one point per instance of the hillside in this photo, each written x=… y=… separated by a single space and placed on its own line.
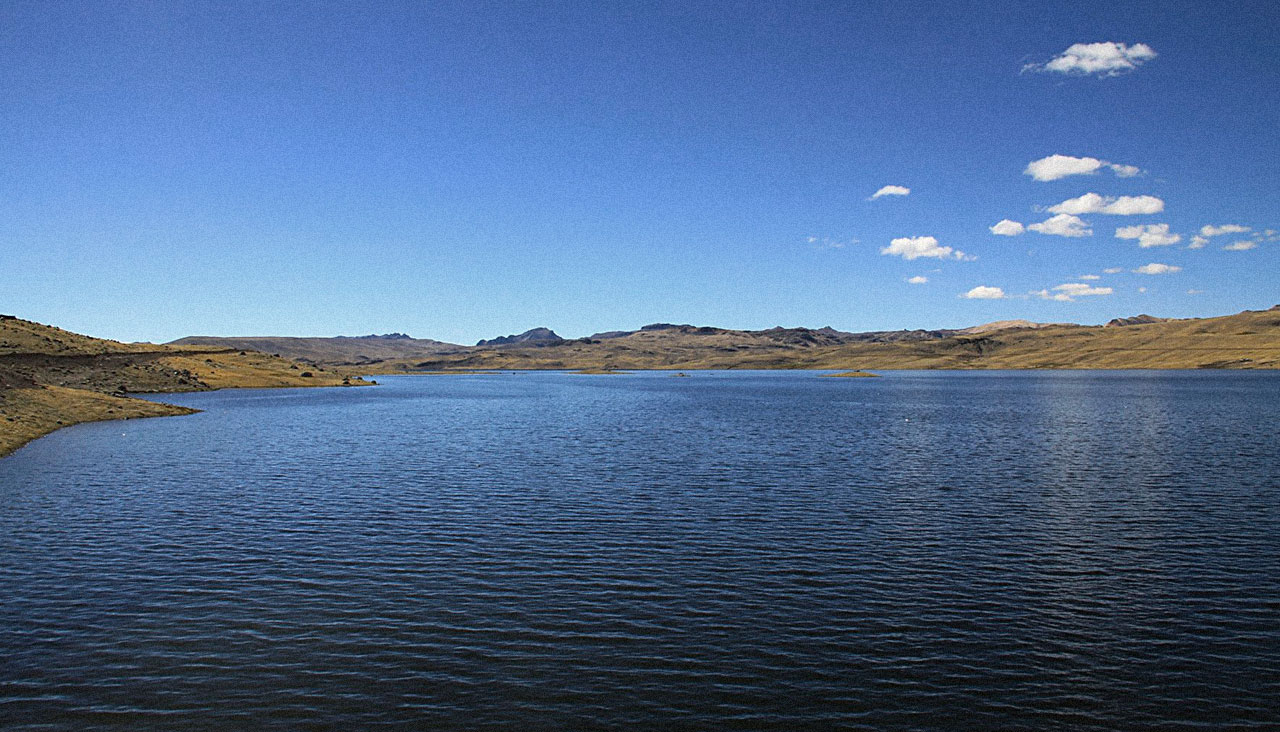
x=686 y=343
x=1247 y=340
x=52 y=378
x=337 y=351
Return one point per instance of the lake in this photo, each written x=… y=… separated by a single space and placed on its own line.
x=735 y=550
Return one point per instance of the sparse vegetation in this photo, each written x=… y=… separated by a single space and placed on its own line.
x=1247 y=340
x=51 y=378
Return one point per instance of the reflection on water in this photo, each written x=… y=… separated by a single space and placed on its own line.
x=736 y=550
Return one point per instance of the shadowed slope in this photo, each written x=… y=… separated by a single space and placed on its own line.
x=52 y=378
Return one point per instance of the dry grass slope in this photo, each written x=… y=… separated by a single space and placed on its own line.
x=51 y=378
x=1247 y=340
x=29 y=412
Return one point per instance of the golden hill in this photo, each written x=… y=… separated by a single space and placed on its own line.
x=51 y=378
x=1247 y=340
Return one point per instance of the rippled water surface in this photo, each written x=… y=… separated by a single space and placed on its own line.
x=1015 y=550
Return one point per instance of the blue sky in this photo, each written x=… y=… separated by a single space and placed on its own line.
x=460 y=170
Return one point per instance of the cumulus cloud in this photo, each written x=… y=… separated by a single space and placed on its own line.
x=1113 y=270
x=1062 y=225
x=1107 y=58
x=1055 y=167
x=917 y=280
x=1150 y=235
x=1208 y=230
x=1007 y=228
x=1069 y=291
x=983 y=292
x=1061 y=166
x=890 y=191
x=1155 y=268
x=1198 y=242
x=1122 y=206
x=1090 y=277
x=1241 y=246
x=915 y=247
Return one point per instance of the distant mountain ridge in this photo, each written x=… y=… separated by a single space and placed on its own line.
x=1188 y=343
x=1250 y=339
x=368 y=350
x=336 y=350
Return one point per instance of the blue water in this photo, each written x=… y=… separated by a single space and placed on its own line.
x=764 y=551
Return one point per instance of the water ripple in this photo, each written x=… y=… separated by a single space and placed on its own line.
x=1093 y=551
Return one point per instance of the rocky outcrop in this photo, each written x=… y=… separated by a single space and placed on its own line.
x=1135 y=320
x=532 y=337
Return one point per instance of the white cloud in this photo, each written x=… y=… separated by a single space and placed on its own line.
x=1150 y=235
x=1208 y=230
x=1055 y=167
x=1113 y=270
x=915 y=247
x=1005 y=227
x=982 y=292
x=826 y=242
x=1241 y=246
x=1107 y=58
x=1195 y=292
x=890 y=191
x=1122 y=206
x=1061 y=166
x=1155 y=268
x=1090 y=277
x=1142 y=289
x=1197 y=242
x=1070 y=291
x=917 y=280
x=1062 y=225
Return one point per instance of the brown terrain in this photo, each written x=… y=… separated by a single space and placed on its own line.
x=1246 y=340
x=52 y=378
x=344 y=350
x=1250 y=339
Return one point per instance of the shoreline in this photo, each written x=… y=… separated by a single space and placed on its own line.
x=30 y=412
x=43 y=409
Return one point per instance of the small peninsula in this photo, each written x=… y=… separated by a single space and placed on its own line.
x=51 y=378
